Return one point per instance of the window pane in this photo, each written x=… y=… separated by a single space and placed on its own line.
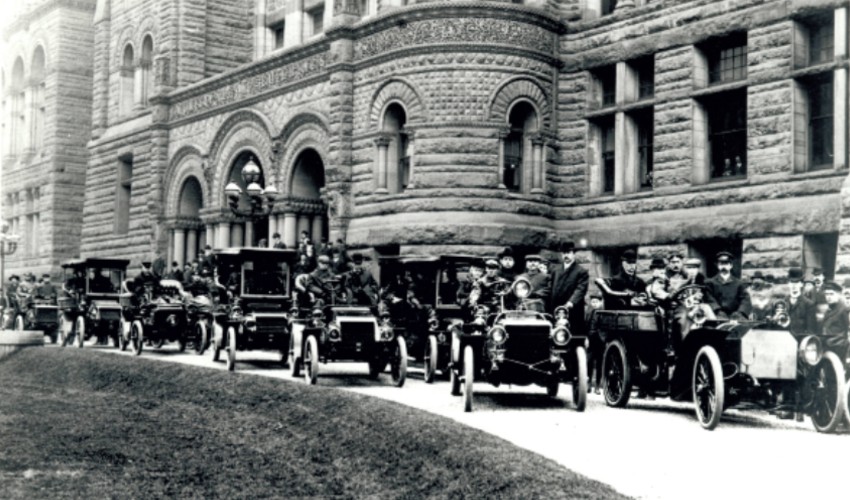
x=728 y=64
x=821 y=42
x=820 y=123
x=608 y=159
x=513 y=161
x=645 y=132
x=728 y=135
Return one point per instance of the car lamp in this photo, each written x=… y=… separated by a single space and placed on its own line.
x=334 y=334
x=522 y=288
x=560 y=336
x=811 y=350
x=498 y=335
x=386 y=332
x=433 y=324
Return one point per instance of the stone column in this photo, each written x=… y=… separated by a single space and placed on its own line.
x=537 y=164
x=223 y=234
x=211 y=236
x=500 y=180
x=249 y=234
x=839 y=92
x=180 y=246
x=237 y=235
x=191 y=245
x=294 y=19
x=382 y=143
x=169 y=254
x=303 y=224
x=202 y=240
x=318 y=226
x=290 y=232
x=272 y=227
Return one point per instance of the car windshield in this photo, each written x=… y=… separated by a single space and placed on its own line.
x=265 y=278
x=103 y=281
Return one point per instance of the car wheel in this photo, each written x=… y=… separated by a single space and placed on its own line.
x=294 y=363
x=454 y=380
x=64 y=328
x=19 y=323
x=203 y=338
x=398 y=365
x=468 y=377
x=123 y=334
x=580 y=385
x=137 y=336
x=616 y=375
x=80 y=326
x=430 y=359
x=231 y=349
x=708 y=387
x=847 y=402
x=311 y=360
x=826 y=383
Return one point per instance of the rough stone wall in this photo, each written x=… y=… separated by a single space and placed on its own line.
x=229 y=31
x=772 y=255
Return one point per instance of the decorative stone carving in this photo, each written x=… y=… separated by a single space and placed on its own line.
x=460 y=30
x=247 y=86
x=162 y=71
x=346 y=7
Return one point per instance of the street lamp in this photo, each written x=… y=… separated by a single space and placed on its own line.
x=8 y=245
x=261 y=200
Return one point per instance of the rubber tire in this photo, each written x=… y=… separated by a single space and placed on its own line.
x=847 y=402
x=123 y=341
x=468 y=377
x=138 y=337
x=430 y=359
x=203 y=338
x=833 y=363
x=399 y=370
x=311 y=360
x=294 y=363
x=63 y=338
x=80 y=326
x=19 y=323
x=231 y=349
x=580 y=385
x=707 y=354
x=454 y=381
x=623 y=360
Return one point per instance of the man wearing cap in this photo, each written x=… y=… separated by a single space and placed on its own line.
x=28 y=285
x=364 y=288
x=158 y=266
x=540 y=288
x=476 y=272
x=569 y=286
x=800 y=309
x=728 y=292
x=485 y=284
x=277 y=242
x=625 y=285
x=319 y=283
x=836 y=322
x=506 y=264
x=145 y=281
x=675 y=263
x=175 y=273
x=45 y=290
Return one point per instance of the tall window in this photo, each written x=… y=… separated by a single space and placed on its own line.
x=605 y=83
x=18 y=116
x=820 y=133
x=145 y=65
x=123 y=195
x=607 y=7
x=727 y=58
x=279 y=30
x=38 y=88
x=607 y=143
x=821 y=45
x=398 y=158
x=645 y=68
x=127 y=73
x=727 y=134
x=516 y=163
x=317 y=19
x=645 y=159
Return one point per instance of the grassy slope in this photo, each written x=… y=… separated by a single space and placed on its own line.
x=85 y=424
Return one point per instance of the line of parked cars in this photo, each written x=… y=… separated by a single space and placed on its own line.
x=509 y=339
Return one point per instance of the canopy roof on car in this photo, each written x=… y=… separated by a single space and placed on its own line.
x=267 y=254
x=96 y=262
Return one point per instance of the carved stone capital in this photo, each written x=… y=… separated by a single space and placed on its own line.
x=383 y=140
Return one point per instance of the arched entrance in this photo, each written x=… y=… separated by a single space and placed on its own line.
x=187 y=235
x=246 y=232
x=304 y=209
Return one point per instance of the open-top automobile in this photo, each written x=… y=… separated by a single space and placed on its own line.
x=257 y=313
x=89 y=305
x=513 y=341
x=717 y=364
x=160 y=317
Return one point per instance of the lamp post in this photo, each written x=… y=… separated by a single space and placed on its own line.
x=8 y=245
x=261 y=199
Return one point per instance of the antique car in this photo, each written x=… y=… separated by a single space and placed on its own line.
x=202 y=310
x=717 y=364
x=37 y=314
x=257 y=313
x=513 y=341
x=160 y=317
x=89 y=305
x=336 y=331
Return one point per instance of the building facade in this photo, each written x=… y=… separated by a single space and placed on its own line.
x=409 y=127
x=46 y=124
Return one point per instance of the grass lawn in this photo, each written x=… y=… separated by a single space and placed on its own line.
x=82 y=424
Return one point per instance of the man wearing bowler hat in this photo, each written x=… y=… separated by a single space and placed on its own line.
x=836 y=322
x=569 y=286
x=364 y=288
x=728 y=292
x=801 y=309
x=625 y=282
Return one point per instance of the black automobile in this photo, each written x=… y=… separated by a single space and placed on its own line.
x=335 y=330
x=717 y=364
x=156 y=316
x=38 y=314
x=511 y=340
x=89 y=305
x=256 y=315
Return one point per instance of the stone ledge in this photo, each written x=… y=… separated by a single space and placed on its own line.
x=11 y=340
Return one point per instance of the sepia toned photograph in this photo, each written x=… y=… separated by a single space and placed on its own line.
x=404 y=249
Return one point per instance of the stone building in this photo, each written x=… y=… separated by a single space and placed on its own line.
x=45 y=118
x=409 y=127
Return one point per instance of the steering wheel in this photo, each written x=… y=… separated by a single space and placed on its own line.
x=501 y=286
x=690 y=295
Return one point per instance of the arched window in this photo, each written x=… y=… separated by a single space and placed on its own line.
x=397 y=156
x=18 y=118
x=187 y=238
x=517 y=164
x=145 y=70
x=38 y=88
x=127 y=73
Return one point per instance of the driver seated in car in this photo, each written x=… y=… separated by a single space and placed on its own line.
x=320 y=282
x=487 y=284
x=540 y=287
x=143 y=285
x=692 y=306
x=100 y=283
x=45 y=291
x=76 y=284
x=466 y=287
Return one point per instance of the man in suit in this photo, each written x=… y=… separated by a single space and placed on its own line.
x=277 y=242
x=569 y=286
x=800 y=309
x=539 y=281
x=363 y=286
x=728 y=292
x=836 y=322
x=626 y=284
